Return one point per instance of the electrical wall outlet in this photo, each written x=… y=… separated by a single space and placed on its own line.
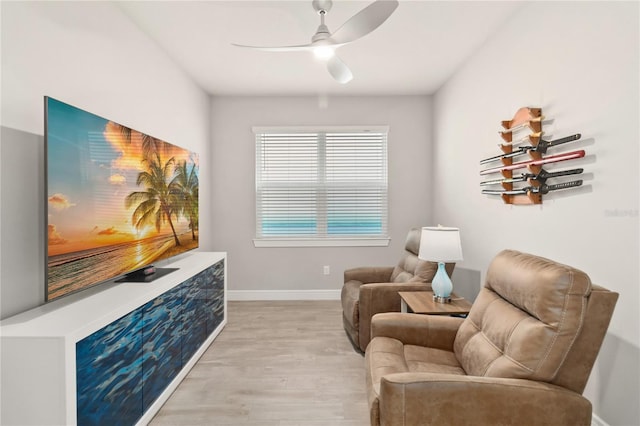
x=327 y=270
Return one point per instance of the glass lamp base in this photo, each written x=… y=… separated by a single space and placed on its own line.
x=441 y=285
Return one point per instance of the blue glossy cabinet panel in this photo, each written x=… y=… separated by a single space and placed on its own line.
x=203 y=301
x=109 y=373
x=161 y=349
x=194 y=319
x=215 y=296
x=124 y=367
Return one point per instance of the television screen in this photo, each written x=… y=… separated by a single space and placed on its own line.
x=117 y=199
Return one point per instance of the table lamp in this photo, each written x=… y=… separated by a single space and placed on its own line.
x=440 y=244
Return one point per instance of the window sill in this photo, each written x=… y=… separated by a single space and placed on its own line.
x=321 y=242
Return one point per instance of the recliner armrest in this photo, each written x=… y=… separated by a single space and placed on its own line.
x=369 y=274
x=432 y=331
x=428 y=398
x=381 y=297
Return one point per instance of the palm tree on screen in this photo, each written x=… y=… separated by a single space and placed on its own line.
x=149 y=143
x=157 y=203
x=185 y=187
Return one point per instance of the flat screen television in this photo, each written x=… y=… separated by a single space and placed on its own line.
x=117 y=200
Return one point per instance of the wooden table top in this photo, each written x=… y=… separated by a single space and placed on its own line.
x=421 y=302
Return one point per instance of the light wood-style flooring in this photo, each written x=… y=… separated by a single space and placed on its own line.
x=276 y=363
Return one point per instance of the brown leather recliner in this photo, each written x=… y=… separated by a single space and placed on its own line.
x=522 y=356
x=370 y=290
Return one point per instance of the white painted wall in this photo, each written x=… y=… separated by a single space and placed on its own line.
x=579 y=62
x=90 y=55
x=301 y=269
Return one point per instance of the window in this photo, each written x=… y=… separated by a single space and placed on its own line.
x=321 y=186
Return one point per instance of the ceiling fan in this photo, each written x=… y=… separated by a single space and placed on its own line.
x=324 y=43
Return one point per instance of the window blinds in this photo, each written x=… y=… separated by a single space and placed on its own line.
x=321 y=184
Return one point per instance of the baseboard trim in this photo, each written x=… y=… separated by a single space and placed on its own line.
x=283 y=295
x=597 y=421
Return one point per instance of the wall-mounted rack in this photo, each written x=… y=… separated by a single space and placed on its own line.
x=528 y=119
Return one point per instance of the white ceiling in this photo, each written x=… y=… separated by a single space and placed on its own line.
x=414 y=52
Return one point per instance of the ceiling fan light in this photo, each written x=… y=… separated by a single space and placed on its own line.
x=323 y=52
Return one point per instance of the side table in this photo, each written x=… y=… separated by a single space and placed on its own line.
x=421 y=302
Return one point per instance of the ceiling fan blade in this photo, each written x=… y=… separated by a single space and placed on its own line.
x=365 y=21
x=302 y=47
x=339 y=70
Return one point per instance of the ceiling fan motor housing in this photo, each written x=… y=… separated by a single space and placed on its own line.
x=321 y=34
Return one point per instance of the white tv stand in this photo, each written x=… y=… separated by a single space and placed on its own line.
x=46 y=352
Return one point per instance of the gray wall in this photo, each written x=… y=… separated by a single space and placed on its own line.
x=579 y=62
x=90 y=55
x=301 y=269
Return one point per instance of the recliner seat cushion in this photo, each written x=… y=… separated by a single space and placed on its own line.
x=525 y=320
x=420 y=359
x=388 y=356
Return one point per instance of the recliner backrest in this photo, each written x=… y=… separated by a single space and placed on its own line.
x=412 y=269
x=526 y=320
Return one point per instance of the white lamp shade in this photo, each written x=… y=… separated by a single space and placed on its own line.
x=440 y=244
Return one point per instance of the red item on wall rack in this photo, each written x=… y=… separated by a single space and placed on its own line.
x=536 y=162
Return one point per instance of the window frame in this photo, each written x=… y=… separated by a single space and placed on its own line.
x=320 y=240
